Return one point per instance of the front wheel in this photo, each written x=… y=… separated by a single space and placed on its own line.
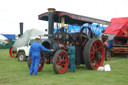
x=60 y=62
x=21 y=56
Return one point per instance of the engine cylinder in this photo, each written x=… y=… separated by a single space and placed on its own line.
x=54 y=45
x=47 y=44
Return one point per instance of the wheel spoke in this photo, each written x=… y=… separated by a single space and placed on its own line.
x=95 y=46
x=84 y=36
x=99 y=48
x=41 y=65
x=60 y=67
x=91 y=58
x=92 y=47
x=84 y=43
x=96 y=63
x=57 y=66
x=63 y=63
x=92 y=52
x=86 y=31
x=57 y=62
x=89 y=33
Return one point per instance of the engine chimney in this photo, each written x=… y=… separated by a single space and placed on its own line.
x=21 y=28
x=51 y=12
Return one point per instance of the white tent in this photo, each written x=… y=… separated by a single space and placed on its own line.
x=3 y=42
x=2 y=37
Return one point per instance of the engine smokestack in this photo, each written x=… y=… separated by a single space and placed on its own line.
x=21 y=28
x=51 y=12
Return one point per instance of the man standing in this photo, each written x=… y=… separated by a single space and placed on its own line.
x=35 y=55
x=71 y=53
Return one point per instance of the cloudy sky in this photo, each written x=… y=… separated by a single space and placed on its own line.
x=14 y=11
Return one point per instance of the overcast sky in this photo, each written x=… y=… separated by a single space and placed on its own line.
x=14 y=11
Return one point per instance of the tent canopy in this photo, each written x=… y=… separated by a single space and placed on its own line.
x=118 y=26
x=2 y=37
x=10 y=36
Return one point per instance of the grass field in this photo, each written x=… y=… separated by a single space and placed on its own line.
x=13 y=72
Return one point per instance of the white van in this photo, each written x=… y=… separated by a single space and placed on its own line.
x=23 y=52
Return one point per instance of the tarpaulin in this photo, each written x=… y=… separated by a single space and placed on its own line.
x=24 y=39
x=118 y=26
x=119 y=20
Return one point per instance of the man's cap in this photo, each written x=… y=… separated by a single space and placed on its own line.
x=37 y=38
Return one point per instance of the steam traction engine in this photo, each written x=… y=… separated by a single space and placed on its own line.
x=89 y=50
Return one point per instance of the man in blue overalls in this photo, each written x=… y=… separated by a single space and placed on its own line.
x=35 y=55
x=71 y=54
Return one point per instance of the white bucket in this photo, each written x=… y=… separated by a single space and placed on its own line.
x=107 y=67
x=100 y=69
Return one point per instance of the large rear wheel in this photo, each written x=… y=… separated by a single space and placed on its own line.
x=94 y=54
x=60 y=62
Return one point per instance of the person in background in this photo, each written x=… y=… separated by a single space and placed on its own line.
x=68 y=44
x=35 y=55
x=110 y=43
x=71 y=54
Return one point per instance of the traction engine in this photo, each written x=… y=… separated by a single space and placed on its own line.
x=89 y=50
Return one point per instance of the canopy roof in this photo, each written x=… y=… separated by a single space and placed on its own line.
x=73 y=19
x=2 y=37
x=118 y=26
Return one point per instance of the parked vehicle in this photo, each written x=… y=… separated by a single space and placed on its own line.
x=118 y=34
x=23 y=52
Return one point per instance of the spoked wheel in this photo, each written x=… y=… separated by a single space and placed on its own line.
x=41 y=64
x=94 y=54
x=60 y=62
x=12 y=53
x=112 y=54
x=107 y=56
x=86 y=34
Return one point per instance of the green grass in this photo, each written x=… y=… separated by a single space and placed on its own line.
x=13 y=72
